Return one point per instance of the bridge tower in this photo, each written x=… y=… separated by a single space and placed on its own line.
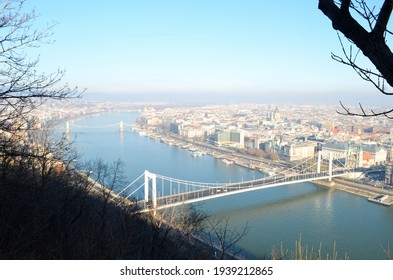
x=330 y=165
x=121 y=126
x=151 y=177
x=319 y=162
x=67 y=127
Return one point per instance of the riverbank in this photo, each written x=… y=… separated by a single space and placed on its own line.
x=357 y=189
x=223 y=154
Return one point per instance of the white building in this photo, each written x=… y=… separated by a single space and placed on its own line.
x=298 y=151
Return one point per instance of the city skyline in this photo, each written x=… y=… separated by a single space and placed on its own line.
x=199 y=50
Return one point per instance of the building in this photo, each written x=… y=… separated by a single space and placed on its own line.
x=378 y=153
x=299 y=151
x=275 y=116
x=389 y=151
x=226 y=137
x=389 y=174
x=355 y=155
x=151 y=120
x=220 y=137
x=175 y=127
x=191 y=132
x=251 y=142
x=337 y=149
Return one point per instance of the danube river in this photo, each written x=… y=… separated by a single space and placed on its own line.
x=319 y=215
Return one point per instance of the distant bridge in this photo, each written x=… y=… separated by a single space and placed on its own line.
x=160 y=192
x=121 y=125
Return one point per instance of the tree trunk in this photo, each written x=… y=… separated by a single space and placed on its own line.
x=372 y=44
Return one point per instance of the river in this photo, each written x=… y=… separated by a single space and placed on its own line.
x=316 y=214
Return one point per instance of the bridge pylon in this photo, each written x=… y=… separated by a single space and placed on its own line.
x=153 y=178
x=319 y=162
x=330 y=166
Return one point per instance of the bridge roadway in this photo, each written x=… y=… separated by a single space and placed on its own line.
x=235 y=188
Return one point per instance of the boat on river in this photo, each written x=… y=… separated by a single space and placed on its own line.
x=227 y=161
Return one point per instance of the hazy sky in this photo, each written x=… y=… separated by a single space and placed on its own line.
x=268 y=50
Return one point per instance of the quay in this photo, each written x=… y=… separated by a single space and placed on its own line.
x=376 y=195
x=382 y=199
x=219 y=153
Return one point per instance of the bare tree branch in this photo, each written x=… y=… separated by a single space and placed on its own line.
x=372 y=44
x=383 y=19
x=366 y=74
x=347 y=112
x=22 y=88
x=373 y=47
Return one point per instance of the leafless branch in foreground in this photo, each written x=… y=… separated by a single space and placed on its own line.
x=365 y=113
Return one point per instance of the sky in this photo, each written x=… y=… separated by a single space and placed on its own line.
x=227 y=50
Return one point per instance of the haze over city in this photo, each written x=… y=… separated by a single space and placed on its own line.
x=220 y=51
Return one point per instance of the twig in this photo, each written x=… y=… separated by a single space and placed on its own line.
x=364 y=113
x=365 y=74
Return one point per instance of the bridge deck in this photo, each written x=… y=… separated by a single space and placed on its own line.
x=236 y=188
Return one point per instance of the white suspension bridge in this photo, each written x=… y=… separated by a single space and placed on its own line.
x=154 y=192
x=121 y=126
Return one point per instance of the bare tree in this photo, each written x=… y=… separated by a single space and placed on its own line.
x=173 y=233
x=224 y=238
x=366 y=28
x=22 y=88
